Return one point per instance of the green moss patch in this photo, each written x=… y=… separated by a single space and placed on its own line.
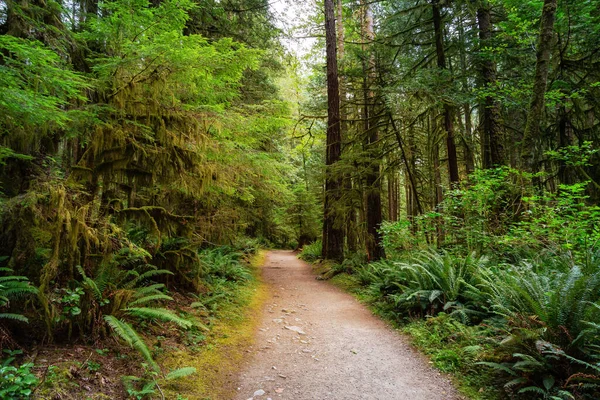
x=218 y=362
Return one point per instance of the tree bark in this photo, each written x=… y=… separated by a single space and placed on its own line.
x=350 y=225
x=448 y=109
x=491 y=133
x=530 y=152
x=372 y=179
x=333 y=235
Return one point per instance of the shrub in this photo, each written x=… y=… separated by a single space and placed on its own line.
x=312 y=252
x=441 y=282
x=225 y=263
x=553 y=329
x=16 y=382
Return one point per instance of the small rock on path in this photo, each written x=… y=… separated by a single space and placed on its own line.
x=324 y=345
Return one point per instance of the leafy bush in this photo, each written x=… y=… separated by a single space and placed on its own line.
x=16 y=382
x=223 y=262
x=312 y=252
x=13 y=287
x=553 y=329
x=248 y=246
x=435 y=282
x=382 y=277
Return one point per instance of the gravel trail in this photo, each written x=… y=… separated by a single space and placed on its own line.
x=316 y=342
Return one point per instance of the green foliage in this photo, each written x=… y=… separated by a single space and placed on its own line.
x=180 y=373
x=139 y=388
x=160 y=314
x=13 y=287
x=37 y=85
x=435 y=282
x=552 y=319
x=16 y=382
x=223 y=263
x=131 y=337
x=458 y=348
x=311 y=252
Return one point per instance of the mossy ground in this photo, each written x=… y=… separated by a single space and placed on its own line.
x=219 y=360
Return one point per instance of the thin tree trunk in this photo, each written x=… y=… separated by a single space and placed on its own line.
x=493 y=152
x=333 y=235
x=530 y=147
x=437 y=183
x=448 y=109
x=467 y=136
x=468 y=141
x=392 y=181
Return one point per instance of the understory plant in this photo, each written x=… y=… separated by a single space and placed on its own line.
x=312 y=252
x=13 y=287
x=435 y=282
x=552 y=343
x=16 y=381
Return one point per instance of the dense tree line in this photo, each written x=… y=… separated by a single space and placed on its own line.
x=469 y=183
x=438 y=89
x=135 y=137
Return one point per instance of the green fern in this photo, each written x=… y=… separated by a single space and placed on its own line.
x=161 y=314
x=15 y=317
x=90 y=284
x=145 y=276
x=180 y=373
x=13 y=287
x=150 y=298
x=149 y=290
x=130 y=336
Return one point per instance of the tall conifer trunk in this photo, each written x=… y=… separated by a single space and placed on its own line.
x=448 y=109
x=491 y=133
x=333 y=235
x=530 y=151
x=372 y=178
x=350 y=225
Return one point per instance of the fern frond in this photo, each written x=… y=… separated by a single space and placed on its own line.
x=180 y=373
x=150 y=298
x=160 y=314
x=16 y=317
x=146 y=275
x=154 y=289
x=90 y=283
x=130 y=336
x=497 y=366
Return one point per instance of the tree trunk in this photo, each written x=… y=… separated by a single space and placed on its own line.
x=333 y=235
x=372 y=178
x=437 y=183
x=468 y=141
x=392 y=181
x=350 y=225
x=448 y=109
x=530 y=147
x=493 y=152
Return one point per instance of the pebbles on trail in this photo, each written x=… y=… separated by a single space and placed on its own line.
x=296 y=329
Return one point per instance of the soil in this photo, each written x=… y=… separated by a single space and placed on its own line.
x=316 y=342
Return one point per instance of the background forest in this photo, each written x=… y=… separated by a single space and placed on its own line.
x=444 y=154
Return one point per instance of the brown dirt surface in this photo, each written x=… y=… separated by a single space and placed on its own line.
x=316 y=343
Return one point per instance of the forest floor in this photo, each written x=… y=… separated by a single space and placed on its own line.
x=317 y=342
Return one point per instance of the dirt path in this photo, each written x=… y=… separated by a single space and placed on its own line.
x=316 y=342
